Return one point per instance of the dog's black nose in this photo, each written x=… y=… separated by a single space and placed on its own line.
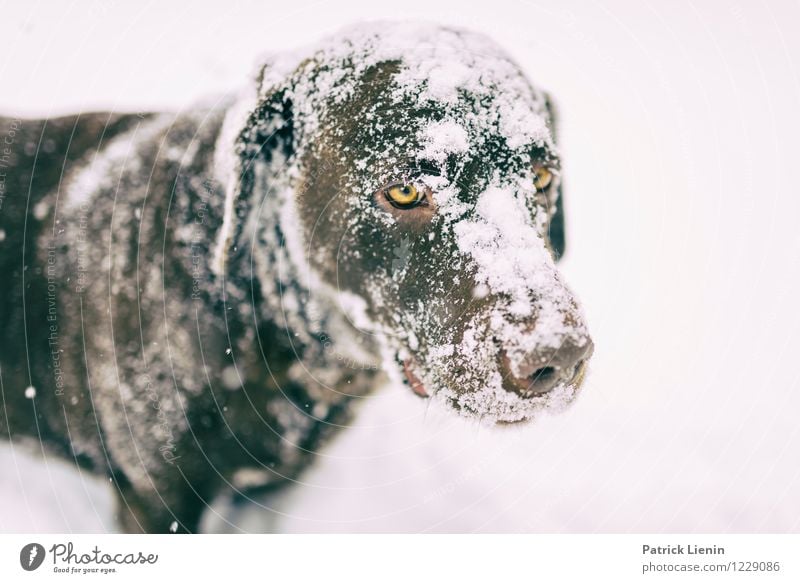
x=547 y=367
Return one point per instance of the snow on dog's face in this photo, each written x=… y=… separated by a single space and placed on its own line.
x=425 y=179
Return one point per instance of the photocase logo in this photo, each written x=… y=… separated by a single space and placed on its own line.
x=31 y=556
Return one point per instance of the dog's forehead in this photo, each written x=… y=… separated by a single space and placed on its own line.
x=452 y=88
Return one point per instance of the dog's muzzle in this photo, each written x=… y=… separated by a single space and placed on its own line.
x=541 y=371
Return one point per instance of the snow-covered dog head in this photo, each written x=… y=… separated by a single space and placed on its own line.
x=413 y=180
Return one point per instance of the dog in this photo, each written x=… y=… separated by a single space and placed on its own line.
x=194 y=303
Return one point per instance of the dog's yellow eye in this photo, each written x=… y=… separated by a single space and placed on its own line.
x=403 y=195
x=543 y=177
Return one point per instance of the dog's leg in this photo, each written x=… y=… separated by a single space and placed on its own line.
x=174 y=508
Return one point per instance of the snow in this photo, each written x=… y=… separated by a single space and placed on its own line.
x=105 y=168
x=510 y=254
x=40 y=211
x=682 y=246
x=444 y=138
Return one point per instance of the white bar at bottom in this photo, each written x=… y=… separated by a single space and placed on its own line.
x=407 y=558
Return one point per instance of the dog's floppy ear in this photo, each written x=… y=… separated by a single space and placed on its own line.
x=556 y=232
x=263 y=125
x=271 y=126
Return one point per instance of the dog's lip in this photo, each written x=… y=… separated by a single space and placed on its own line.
x=413 y=380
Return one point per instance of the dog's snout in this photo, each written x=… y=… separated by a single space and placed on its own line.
x=546 y=367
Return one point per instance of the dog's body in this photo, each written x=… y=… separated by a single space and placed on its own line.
x=192 y=303
x=136 y=376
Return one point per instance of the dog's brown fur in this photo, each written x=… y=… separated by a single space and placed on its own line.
x=174 y=327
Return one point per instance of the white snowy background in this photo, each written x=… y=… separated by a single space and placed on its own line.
x=680 y=132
